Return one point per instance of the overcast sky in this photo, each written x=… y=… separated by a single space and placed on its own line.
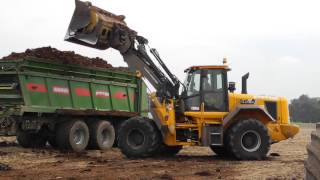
x=277 y=41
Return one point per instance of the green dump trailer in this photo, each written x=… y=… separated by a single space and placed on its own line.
x=68 y=106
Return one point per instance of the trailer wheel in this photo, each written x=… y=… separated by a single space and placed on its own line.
x=248 y=140
x=52 y=142
x=72 y=135
x=312 y=163
x=102 y=135
x=139 y=137
x=30 y=140
x=169 y=151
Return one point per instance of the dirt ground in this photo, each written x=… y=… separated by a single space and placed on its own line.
x=285 y=161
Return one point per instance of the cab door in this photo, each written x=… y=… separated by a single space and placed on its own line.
x=214 y=93
x=192 y=93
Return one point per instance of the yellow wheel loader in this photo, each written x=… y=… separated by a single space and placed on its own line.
x=205 y=110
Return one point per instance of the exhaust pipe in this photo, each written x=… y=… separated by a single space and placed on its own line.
x=244 y=83
x=97 y=28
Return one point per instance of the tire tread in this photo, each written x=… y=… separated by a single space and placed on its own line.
x=152 y=132
x=232 y=133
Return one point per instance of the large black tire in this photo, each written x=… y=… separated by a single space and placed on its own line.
x=102 y=135
x=312 y=164
x=116 y=126
x=248 y=140
x=52 y=142
x=72 y=135
x=30 y=140
x=139 y=137
x=169 y=151
x=220 y=151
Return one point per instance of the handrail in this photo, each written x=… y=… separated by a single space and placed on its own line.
x=75 y=72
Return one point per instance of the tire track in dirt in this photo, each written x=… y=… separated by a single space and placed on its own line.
x=286 y=162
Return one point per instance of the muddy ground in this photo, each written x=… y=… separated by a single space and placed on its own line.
x=285 y=162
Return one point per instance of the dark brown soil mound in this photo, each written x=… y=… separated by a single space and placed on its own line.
x=65 y=57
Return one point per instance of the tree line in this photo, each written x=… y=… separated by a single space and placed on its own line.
x=305 y=109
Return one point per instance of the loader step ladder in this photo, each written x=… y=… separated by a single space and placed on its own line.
x=216 y=139
x=212 y=135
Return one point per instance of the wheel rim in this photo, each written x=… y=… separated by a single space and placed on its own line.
x=79 y=136
x=250 y=141
x=105 y=134
x=135 y=138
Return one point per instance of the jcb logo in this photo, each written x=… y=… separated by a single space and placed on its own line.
x=247 y=101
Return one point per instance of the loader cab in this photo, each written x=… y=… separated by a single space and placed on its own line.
x=206 y=86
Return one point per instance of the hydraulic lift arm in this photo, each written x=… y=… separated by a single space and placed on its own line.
x=100 y=29
x=167 y=85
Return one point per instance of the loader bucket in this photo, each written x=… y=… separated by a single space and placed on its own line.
x=97 y=28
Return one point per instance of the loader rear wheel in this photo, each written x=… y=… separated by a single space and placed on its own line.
x=139 y=137
x=30 y=140
x=102 y=135
x=313 y=162
x=248 y=140
x=169 y=151
x=72 y=135
x=220 y=151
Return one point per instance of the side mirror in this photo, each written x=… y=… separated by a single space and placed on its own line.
x=183 y=93
x=232 y=87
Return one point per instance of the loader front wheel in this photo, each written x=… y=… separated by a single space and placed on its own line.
x=169 y=151
x=139 y=137
x=248 y=140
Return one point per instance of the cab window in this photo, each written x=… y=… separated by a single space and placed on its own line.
x=193 y=86
x=213 y=90
x=191 y=95
x=212 y=81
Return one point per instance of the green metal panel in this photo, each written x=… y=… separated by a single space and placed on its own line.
x=119 y=98
x=37 y=91
x=132 y=99
x=81 y=95
x=46 y=87
x=38 y=65
x=59 y=93
x=144 y=100
x=9 y=93
x=101 y=97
